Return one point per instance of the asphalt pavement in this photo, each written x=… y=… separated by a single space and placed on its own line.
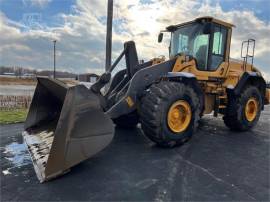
x=215 y=165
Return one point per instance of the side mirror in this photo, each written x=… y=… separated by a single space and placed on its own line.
x=160 y=37
x=207 y=28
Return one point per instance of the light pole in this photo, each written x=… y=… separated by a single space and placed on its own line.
x=54 y=44
x=109 y=35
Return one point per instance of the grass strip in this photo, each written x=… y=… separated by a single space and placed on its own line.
x=13 y=116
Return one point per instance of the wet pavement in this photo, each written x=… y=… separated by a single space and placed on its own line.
x=215 y=165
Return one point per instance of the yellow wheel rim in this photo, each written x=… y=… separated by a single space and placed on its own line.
x=179 y=116
x=251 y=109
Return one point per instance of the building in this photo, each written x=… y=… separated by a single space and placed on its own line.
x=92 y=78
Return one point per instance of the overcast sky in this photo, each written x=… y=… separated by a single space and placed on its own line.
x=27 y=28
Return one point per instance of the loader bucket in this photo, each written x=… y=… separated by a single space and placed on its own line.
x=64 y=126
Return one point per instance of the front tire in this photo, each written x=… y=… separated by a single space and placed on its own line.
x=169 y=113
x=243 y=112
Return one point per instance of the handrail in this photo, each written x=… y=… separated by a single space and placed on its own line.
x=245 y=57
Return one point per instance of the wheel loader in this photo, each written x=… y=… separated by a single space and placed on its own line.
x=66 y=125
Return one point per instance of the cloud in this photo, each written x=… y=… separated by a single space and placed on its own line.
x=81 y=37
x=36 y=3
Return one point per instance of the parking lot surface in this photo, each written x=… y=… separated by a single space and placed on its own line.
x=215 y=165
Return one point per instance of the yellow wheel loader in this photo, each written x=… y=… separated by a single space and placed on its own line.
x=66 y=125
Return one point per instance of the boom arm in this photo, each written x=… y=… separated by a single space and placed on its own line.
x=132 y=66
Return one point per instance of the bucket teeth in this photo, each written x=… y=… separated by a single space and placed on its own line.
x=39 y=145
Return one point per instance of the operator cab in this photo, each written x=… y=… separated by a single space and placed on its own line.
x=205 y=39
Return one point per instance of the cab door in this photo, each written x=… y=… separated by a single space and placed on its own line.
x=210 y=51
x=217 y=51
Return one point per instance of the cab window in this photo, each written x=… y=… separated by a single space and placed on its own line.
x=218 y=48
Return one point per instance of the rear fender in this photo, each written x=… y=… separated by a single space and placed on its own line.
x=248 y=78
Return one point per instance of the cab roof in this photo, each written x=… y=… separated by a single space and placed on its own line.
x=202 y=19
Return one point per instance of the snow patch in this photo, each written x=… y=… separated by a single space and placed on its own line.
x=17 y=154
x=184 y=74
x=6 y=172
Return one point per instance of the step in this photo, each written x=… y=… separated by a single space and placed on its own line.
x=222 y=106
x=222 y=96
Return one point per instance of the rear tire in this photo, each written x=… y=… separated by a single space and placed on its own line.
x=237 y=117
x=155 y=109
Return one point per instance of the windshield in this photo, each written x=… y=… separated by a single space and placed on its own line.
x=190 y=40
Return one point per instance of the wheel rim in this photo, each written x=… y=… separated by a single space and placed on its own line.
x=251 y=109
x=179 y=116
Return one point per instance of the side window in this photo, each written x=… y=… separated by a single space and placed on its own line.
x=200 y=50
x=183 y=43
x=179 y=43
x=218 y=49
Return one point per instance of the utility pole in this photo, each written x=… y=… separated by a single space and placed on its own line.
x=109 y=35
x=54 y=44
